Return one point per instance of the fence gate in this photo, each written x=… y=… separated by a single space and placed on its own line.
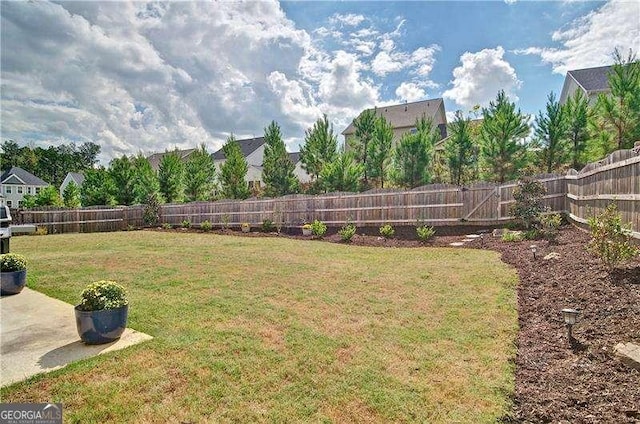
x=481 y=203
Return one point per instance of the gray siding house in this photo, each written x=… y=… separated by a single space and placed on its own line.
x=403 y=117
x=591 y=81
x=15 y=183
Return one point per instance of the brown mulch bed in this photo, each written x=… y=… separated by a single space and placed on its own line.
x=558 y=380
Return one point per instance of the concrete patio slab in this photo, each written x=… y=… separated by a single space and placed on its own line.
x=38 y=334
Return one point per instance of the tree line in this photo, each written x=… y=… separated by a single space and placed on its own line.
x=499 y=147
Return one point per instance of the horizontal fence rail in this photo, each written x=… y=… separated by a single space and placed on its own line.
x=580 y=194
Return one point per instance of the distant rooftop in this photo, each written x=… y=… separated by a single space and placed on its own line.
x=404 y=115
x=77 y=177
x=592 y=79
x=18 y=176
x=156 y=158
x=248 y=146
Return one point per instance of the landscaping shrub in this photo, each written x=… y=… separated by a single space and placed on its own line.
x=387 y=231
x=225 y=221
x=103 y=295
x=532 y=234
x=41 y=231
x=166 y=226
x=347 y=232
x=268 y=226
x=186 y=224
x=610 y=239
x=318 y=228
x=550 y=226
x=151 y=214
x=10 y=262
x=512 y=236
x=424 y=232
x=528 y=207
x=206 y=226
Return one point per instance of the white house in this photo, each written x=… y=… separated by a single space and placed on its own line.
x=591 y=81
x=253 y=152
x=16 y=182
x=76 y=177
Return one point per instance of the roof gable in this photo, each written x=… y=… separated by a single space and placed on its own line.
x=592 y=79
x=156 y=158
x=405 y=115
x=23 y=177
x=247 y=146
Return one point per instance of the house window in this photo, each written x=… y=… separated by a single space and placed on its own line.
x=9 y=203
x=30 y=190
x=7 y=189
x=19 y=189
x=414 y=130
x=37 y=190
x=19 y=203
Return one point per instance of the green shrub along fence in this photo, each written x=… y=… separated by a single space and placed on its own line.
x=580 y=194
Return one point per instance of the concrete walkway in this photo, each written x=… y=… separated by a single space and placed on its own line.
x=38 y=334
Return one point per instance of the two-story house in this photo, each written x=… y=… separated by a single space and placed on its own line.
x=591 y=81
x=15 y=183
x=403 y=118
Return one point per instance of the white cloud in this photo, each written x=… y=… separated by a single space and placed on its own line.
x=480 y=77
x=410 y=92
x=385 y=63
x=350 y=19
x=136 y=77
x=589 y=40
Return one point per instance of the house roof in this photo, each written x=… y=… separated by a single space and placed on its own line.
x=77 y=177
x=404 y=115
x=248 y=146
x=19 y=176
x=592 y=79
x=156 y=158
x=295 y=157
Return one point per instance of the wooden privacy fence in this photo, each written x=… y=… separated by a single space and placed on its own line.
x=616 y=178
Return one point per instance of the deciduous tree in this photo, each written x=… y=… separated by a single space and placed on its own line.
x=145 y=179
x=171 y=177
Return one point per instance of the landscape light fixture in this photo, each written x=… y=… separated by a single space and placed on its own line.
x=534 y=249
x=570 y=317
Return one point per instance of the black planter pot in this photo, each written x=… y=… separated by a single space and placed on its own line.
x=103 y=326
x=12 y=282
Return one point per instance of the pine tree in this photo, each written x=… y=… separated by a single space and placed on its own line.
x=550 y=132
x=380 y=150
x=577 y=115
x=501 y=135
x=199 y=175
x=171 y=177
x=320 y=147
x=459 y=148
x=364 y=134
x=277 y=172
x=413 y=155
x=71 y=195
x=619 y=111
x=121 y=173
x=343 y=174
x=233 y=171
x=144 y=179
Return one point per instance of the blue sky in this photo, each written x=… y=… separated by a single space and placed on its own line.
x=144 y=77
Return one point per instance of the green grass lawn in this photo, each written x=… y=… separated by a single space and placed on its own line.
x=279 y=330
